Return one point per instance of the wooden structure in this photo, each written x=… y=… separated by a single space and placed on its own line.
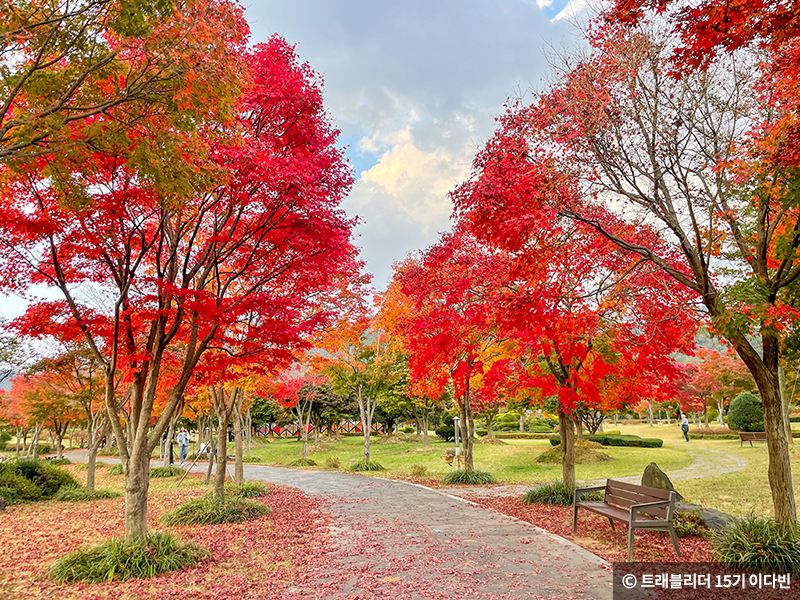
x=752 y=436
x=637 y=506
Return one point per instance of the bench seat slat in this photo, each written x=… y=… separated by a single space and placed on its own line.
x=618 y=514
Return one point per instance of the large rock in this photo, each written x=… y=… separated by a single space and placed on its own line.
x=656 y=478
x=713 y=519
x=3 y=504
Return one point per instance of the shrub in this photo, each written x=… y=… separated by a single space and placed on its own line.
x=158 y=472
x=506 y=422
x=82 y=494
x=251 y=459
x=207 y=510
x=16 y=488
x=120 y=560
x=368 y=466
x=57 y=462
x=689 y=524
x=446 y=432
x=302 y=462
x=617 y=440
x=5 y=437
x=408 y=429
x=481 y=431
x=116 y=469
x=540 y=429
x=746 y=413
x=758 y=544
x=556 y=492
x=248 y=489
x=332 y=463
x=418 y=470
x=45 y=476
x=460 y=476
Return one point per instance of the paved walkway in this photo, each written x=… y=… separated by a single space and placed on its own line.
x=399 y=540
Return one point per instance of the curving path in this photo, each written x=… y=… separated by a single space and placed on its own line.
x=400 y=540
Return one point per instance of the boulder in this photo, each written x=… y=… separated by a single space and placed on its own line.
x=656 y=478
x=713 y=519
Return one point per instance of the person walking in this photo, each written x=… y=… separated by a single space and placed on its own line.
x=183 y=445
x=685 y=427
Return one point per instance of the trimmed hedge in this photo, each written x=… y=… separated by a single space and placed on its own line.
x=746 y=413
x=522 y=436
x=617 y=440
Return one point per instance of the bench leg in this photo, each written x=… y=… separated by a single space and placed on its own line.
x=631 y=531
x=611 y=522
x=574 y=518
x=674 y=539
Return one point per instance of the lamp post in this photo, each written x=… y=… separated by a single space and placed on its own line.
x=456 y=421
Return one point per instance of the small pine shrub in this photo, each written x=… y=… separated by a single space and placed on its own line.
x=120 y=560
x=116 y=469
x=251 y=459
x=82 y=494
x=408 y=429
x=689 y=524
x=758 y=544
x=446 y=432
x=248 y=489
x=368 y=466
x=302 y=462
x=57 y=462
x=46 y=477
x=333 y=463
x=207 y=510
x=16 y=488
x=418 y=470
x=746 y=413
x=556 y=492
x=158 y=472
x=460 y=476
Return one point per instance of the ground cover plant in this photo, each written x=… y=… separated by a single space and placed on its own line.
x=31 y=480
x=266 y=557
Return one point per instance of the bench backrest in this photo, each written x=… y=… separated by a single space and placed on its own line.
x=626 y=495
x=752 y=435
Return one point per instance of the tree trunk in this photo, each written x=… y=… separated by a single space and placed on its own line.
x=521 y=422
x=366 y=408
x=249 y=434
x=222 y=460
x=566 y=430
x=578 y=426
x=238 y=470
x=785 y=404
x=467 y=430
x=137 y=484
x=168 y=442
x=650 y=412
x=489 y=432
x=425 y=424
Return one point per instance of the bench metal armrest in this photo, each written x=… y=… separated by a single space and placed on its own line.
x=580 y=491
x=635 y=508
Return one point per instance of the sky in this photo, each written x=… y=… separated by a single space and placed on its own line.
x=415 y=87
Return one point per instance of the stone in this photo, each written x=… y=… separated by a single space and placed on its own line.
x=656 y=478
x=3 y=504
x=713 y=519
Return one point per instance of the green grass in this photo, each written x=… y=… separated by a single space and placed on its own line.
x=512 y=462
x=82 y=494
x=207 y=510
x=117 y=559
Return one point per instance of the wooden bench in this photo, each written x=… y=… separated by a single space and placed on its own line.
x=752 y=436
x=638 y=506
